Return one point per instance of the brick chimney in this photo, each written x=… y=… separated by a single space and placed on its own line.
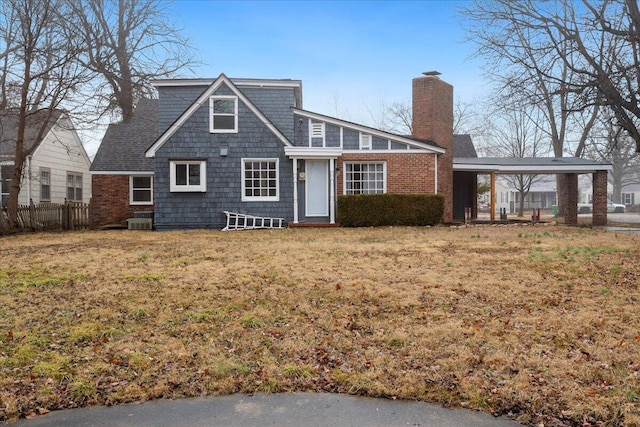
x=433 y=121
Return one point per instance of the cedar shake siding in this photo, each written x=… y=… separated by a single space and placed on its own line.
x=193 y=141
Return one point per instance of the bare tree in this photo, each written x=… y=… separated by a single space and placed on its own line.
x=398 y=118
x=39 y=72
x=589 y=51
x=515 y=134
x=131 y=43
x=609 y=143
x=530 y=67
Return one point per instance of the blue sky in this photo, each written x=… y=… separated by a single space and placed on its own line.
x=350 y=55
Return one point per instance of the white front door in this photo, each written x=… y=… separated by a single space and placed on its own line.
x=317 y=187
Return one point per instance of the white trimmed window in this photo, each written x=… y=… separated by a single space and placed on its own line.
x=74 y=187
x=627 y=198
x=365 y=141
x=365 y=178
x=45 y=185
x=141 y=189
x=6 y=172
x=260 y=180
x=224 y=114
x=188 y=176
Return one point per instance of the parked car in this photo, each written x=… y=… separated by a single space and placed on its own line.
x=585 y=208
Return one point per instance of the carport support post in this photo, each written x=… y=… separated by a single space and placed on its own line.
x=571 y=207
x=599 y=198
x=492 y=201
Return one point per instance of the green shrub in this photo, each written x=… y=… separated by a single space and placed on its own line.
x=372 y=210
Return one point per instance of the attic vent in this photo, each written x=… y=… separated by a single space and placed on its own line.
x=317 y=130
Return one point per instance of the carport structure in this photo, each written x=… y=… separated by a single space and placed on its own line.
x=570 y=167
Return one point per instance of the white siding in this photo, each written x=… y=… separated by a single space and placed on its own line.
x=60 y=152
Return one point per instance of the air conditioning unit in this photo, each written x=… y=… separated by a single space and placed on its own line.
x=140 y=223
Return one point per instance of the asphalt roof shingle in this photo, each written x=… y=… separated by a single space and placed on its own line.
x=124 y=144
x=9 y=130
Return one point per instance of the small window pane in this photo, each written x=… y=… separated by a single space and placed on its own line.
x=142 y=182
x=194 y=174
x=181 y=174
x=224 y=106
x=224 y=122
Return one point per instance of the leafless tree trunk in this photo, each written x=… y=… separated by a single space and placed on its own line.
x=131 y=43
x=596 y=43
x=608 y=144
x=516 y=134
x=39 y=71
x=532 y=65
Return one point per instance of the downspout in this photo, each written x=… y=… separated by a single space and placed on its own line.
x=436 y=173
x=295 y=190
x=332 y=191
x=29 y=179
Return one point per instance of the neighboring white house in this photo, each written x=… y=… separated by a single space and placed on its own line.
x=57 y=170
x=630 y=194
x=542 y=195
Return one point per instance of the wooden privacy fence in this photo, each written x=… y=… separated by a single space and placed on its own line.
x=51 y=216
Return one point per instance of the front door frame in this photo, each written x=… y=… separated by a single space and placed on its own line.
x=309 y=181
x=332 y=187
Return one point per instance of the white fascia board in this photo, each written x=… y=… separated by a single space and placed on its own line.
x=473 y=167
x=151 y=151
x=530 y=169
x=237 y=82
x=414 y=151
x=555 y=169
x=137 y=173
x=368 y=130
x=312 y=152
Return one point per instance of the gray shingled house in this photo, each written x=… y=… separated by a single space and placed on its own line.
x=247 y=145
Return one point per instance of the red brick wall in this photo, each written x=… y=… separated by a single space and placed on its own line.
x=406 y=173
x=110 y=200
x=599 y=217
x=433 y=120
x=571 y=209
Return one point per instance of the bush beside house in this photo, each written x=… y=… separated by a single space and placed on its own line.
x=371 y=210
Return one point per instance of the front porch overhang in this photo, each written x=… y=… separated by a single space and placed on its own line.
x=312 y=152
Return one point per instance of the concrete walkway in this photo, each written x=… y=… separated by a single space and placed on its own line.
x=295 y=409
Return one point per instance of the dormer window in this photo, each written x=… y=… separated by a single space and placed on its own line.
x=224 y=114
x=365 y=141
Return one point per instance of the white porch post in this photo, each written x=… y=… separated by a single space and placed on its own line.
x=332 y=192
x=295 y=190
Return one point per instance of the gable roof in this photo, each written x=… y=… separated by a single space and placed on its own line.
x=124 y=144
x=428 y=145
x=463 y=146
x=202 y=99
x=9 y=130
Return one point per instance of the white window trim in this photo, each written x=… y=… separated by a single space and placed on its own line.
x=131 y=202
x=384 y=174
x=76 y=175
x=211 y=114
x=48 y=170
x=366 y=141
x=261 y=198
x=201 y=188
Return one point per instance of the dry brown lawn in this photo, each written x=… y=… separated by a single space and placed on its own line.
x=537 y=323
